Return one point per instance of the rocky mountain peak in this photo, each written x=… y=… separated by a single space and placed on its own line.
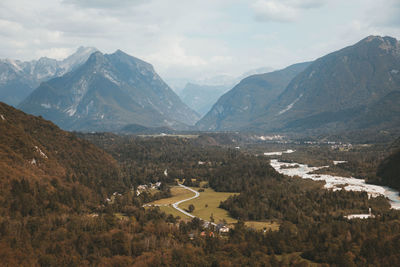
x=387 y=44
x=18 y=79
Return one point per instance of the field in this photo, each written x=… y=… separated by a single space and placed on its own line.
x=206 y=205
x=273 y=226
x=174 y=212
x=178 y=193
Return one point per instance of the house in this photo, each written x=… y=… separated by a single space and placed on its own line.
x=222 y=228
x=142 y=187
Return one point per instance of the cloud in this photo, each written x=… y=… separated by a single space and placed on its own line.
x=274 y=11
x=57 y=53
x=283 y=10
x=174 y=54
x=390 y=17
x=196 y=38
x=104 y=4
x=307 y=4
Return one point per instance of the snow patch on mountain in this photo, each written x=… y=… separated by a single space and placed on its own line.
x=108 y=76
x=46 y=106
x=71 y=110
x=290 y=106
x=14 y=64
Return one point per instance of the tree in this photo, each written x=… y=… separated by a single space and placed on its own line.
x=191 y=208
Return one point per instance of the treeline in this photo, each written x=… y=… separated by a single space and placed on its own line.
x=388 y=172
x=298 y=202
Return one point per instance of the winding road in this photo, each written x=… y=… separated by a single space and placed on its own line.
x=175 y=205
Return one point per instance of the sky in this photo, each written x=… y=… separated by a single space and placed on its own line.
x=190 y=40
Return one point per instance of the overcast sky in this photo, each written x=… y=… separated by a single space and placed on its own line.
x=191 y=39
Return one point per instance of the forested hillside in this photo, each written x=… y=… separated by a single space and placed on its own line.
x=65 y=202
x=45 y=169
x=389 y=169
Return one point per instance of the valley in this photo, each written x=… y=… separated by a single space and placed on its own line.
x=97 y=212
x=103 y=164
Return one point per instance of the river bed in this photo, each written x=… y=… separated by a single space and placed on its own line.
x=336 y=182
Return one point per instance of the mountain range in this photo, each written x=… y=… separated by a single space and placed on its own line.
x=108 y=92
x=355 y=88
x=18 y=78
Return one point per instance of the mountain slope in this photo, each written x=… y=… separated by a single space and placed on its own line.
x=107 y=93
x=45 y=169
x=248 y=99
x=202 y=97
x=18 y=79
x=349 y=89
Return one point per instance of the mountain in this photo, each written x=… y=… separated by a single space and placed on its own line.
x=45 y=169
x=108 y=92
x=248 y=99
x=355 y=88
x=261 y=70
x=18 y=79
x=202 y=97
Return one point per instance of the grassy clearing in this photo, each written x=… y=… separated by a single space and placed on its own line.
x=270 y=225
x=121 y=216
x=207 y=204
x=174 y=212
x=178 y=193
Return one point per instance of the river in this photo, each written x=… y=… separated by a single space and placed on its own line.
x=336 y=182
